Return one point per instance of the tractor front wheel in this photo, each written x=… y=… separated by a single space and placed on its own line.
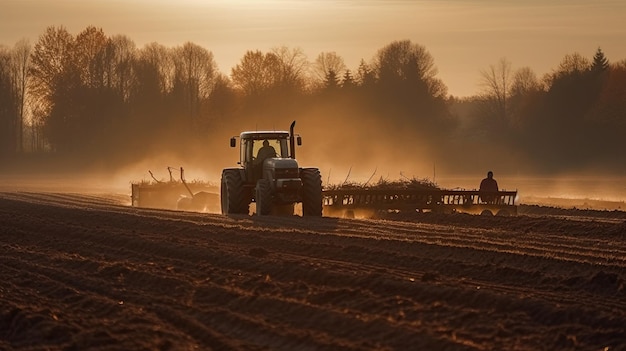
x=263 y=197
x=232 y=193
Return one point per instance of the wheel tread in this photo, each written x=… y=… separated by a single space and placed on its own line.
x=232 y=192
x=311 y=192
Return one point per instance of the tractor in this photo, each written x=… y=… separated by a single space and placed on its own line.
x=270 y=176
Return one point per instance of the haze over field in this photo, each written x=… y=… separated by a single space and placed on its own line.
x=561 y=116
x=463 y=36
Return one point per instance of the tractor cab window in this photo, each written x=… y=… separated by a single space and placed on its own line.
x=267 y=148
x=254 y=151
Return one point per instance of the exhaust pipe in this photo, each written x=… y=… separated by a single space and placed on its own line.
x=292 y=140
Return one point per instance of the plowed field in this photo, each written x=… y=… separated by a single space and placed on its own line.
x=89 y=272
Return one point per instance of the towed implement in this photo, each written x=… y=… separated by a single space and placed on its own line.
x=346 y=201
x=175 y=194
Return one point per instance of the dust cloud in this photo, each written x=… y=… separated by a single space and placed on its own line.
x=344 y=145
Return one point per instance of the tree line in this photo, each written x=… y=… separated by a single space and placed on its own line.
x=90 y=96
x=572 y=118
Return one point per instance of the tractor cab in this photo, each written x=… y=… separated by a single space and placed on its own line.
x=257 y=147
x=260 y=146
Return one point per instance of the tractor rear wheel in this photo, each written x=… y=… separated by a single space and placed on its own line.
x=263 y=197
x=311 y=192
x=232 y=193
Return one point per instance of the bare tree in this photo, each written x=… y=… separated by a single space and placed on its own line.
x=292 y=68
x=20 y=61
x=159 y=58
x=327 y=62
x=7 y=104
x=409 y=62
x=253 y=74
x=221 y=102
x=195 y=76
x=49 y=71
x=194 y=66
x=524 y=81
x=38 y=142
x=523 y=95
x=90 y=57
x=496 y=82
x=572 y=64
x=48 y=62
x=120 y=72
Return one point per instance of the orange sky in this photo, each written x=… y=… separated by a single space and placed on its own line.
x=463 y=36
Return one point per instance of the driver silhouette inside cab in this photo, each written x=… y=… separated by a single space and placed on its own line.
x=266 y=151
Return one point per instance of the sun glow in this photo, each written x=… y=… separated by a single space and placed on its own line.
x=463 y=37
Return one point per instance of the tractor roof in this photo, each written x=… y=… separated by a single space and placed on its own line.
x=264 y=135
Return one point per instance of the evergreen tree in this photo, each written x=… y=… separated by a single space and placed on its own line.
x=347 y=80
x=332 y=80
x=600 y=62
x=365 y=75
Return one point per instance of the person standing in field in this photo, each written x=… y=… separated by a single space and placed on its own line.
x=488 y=188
